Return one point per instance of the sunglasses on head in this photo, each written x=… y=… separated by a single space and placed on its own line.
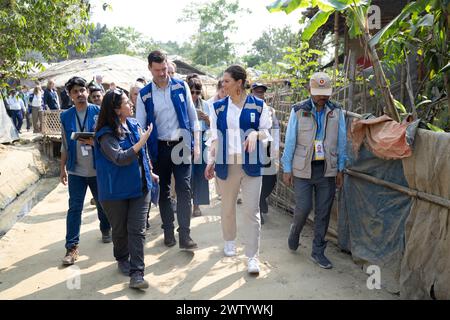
x=117 y=97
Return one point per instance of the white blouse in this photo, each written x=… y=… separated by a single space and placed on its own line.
x=234 y=142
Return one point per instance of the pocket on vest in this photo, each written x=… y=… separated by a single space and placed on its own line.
x=300 y=157
x=333 y=159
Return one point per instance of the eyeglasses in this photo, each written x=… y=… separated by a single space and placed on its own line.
x=197 y=92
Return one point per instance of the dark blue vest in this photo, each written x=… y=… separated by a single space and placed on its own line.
x=121 y=182
x=248 y=121
x=177 y=89
x=69 y=124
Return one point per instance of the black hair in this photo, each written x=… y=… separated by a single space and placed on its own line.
x=112 y=101
x=94 y=89
x=192 y=76
x=238 y=73
x=75 y=81
x=219 y=84
x=157 y=57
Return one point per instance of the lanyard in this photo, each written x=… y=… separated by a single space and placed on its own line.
x=84 y=121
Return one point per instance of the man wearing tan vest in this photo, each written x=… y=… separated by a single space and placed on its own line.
x=314 y=157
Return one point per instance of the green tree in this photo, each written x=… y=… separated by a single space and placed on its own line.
x=46 y=26
x=211 y=42
x=270 y=46
x=120 y=40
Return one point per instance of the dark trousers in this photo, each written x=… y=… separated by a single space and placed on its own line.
x=324 y=190
x=268 y=183
x=128 y=218
x=164 y=167
x=17 y=118
x=28 y=118
x=77 y=191
x=199 y=184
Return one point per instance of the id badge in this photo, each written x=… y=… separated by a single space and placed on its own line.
x=319 y=153
x=84 y=151
x=181 y=97
x=252 y=117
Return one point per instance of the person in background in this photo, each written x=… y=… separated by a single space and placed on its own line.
x=142 y=80
x=235 y=159
x=96 y=95
x=66 y=102
x=314 y=159
x=98 y=82
x=25 y=96
x=37 y=104
x=51 y=99
x=134 y=93
x=125 y=181
x=17 y=109
x=77 y=165
x=112 y=86
x=269 y=179
x=172 y=68
x=199 y=184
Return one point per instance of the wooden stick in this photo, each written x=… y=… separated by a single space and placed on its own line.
x=410 y=192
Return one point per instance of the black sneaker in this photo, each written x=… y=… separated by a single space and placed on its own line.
x=106 y=236
x=186 y=243
x=124 y=267
x=169 y=238
x=137 y=280
x=321 y=260
x=293 y=239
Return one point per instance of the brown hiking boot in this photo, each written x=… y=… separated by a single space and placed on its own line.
x=71 y=256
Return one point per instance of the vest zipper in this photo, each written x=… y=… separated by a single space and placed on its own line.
x=327 y=112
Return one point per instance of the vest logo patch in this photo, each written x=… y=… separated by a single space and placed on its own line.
x=306 y=114
x=147 y=96
x=177 y=86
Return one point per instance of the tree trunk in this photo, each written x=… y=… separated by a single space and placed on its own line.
x=380 y=78
x=336 y=46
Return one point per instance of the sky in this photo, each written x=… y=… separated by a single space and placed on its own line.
x=158 y=19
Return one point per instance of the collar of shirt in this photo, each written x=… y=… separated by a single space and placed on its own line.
x=155 y=86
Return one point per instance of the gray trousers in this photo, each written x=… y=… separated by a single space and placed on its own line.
x=128 y=219
x=324 y=191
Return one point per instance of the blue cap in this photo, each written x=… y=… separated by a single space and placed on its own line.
x=258 y=84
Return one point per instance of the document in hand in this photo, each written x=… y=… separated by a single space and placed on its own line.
x=83 y=135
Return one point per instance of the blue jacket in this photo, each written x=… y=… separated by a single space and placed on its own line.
x=248 y=121
x=69 y=124
x=177 y=90
x=121 y=182
x=51 y=99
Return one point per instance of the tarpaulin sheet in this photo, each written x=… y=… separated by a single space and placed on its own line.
x=371 y=220
x=425 y=269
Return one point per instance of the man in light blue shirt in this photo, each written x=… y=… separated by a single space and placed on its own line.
x=166 y=103
x=314 y=158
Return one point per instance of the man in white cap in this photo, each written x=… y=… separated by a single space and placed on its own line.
x=314 y=158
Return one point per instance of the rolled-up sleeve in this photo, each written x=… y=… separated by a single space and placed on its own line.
x=113 y=152
x=265 y=124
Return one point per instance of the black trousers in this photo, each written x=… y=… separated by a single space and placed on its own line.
x=164 y=167
x=127 y=218
x=268 y=184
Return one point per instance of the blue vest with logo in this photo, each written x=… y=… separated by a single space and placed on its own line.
x=121 y=182
x=248 y=121
x=179 y=100
x=69 y=124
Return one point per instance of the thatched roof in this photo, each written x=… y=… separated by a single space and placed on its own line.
x=121 y=69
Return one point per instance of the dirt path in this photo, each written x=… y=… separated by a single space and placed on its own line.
x=30 y=255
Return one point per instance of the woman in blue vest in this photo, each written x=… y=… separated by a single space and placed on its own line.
x=237 y=123
x=199 y=185
x=125 y=182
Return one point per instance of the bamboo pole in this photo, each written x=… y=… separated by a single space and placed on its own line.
x=408 y=191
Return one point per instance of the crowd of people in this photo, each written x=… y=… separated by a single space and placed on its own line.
x=161 y=142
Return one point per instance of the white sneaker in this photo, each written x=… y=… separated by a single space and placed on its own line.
x=253 y=266
x=230 y=248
